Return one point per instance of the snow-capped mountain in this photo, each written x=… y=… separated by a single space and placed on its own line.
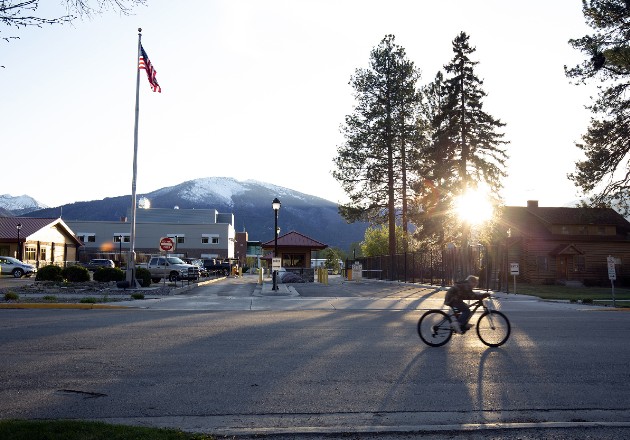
x=249 y=201
x=19 y=205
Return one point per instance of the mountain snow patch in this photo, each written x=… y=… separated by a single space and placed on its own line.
x=223 y=188
x=7 y=201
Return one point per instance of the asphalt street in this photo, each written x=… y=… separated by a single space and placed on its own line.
x=235 y=358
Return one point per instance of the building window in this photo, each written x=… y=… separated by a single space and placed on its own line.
x=293 y=260
x=122 y=238
x=579 y=263
x=42 y=254
x=30 y=253
x=210 y=238
x=542 y=264
x=178 y=238
x=564 y=230
x=86 y=237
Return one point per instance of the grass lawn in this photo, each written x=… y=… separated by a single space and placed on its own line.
x=597 y=294
x=79 y=430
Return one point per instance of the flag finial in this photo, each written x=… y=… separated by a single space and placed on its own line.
x=139 y=30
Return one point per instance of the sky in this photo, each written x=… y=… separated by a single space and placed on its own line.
x=258 y=89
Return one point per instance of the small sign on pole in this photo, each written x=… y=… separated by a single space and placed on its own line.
x=276 y=263
x=514 y=270
x=357 y=271
x=612 y=275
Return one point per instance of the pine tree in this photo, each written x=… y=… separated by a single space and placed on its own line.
x=371 y=163
x=604 y=173
x=465 y=149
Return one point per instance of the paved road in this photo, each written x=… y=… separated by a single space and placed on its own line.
x=230 y=358
x=245 y=294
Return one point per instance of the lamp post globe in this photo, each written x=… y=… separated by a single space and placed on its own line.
x=276 y=207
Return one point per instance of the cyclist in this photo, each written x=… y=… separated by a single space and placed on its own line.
x=455 y=297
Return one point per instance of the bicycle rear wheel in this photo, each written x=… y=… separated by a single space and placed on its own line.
x=493 y=328
x=434 y=328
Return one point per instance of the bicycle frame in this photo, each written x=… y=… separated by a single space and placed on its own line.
x=475 y=305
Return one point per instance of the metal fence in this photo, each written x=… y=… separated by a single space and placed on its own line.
x=439 y=267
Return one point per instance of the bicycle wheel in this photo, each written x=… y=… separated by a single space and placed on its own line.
x=434 y=328
x=493 y=328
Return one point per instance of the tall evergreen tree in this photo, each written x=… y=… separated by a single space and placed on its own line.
x=605 y=172
x=371 y=162
x=466 y=148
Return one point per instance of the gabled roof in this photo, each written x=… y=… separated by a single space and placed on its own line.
x=535 y=219
x=31 y=225
x=295 y=239
x=566 y=249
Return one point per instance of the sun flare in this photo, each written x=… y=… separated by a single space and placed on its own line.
x=474 y=206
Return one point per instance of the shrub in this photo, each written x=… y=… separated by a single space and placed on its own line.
x=76 y=274
x=50 y=298
x=88 y=300
x=144 y=276
x=138 y=295
x=107 y=274
x=587 y=301
x=11 y=296
x=49 y=273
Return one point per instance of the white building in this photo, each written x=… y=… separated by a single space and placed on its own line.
x=198 y=233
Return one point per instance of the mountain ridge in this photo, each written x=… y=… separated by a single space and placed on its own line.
x=249 y=201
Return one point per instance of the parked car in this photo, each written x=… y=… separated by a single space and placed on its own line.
x=96 y=263
x=197 y=262
x=13 y=266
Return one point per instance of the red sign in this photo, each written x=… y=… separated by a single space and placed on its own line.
x=166 y=244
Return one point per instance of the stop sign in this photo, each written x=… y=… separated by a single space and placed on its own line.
x=166 y=244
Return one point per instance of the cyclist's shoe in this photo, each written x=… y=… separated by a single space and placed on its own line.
x=466 y=327
x=456 y=327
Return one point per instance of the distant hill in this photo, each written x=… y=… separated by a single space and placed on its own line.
x=249 y=201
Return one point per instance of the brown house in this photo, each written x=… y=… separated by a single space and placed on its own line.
x=38 y=241
x=565 y=245
x=294 y=249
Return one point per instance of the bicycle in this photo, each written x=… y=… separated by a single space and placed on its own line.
x=493 y=327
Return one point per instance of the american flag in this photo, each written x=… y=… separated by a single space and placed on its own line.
x=145 y=63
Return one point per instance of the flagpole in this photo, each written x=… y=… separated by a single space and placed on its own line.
x=131 y=260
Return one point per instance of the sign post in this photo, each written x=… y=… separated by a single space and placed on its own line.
x=612 y=275
x=514 y=270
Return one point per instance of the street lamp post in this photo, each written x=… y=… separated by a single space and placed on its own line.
x=120 y=239
x=19 y=252
x=276 y=207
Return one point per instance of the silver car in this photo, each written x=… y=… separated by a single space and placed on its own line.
x=13 y=266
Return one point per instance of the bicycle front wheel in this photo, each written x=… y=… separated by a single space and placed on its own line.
x=434 y=328
x=493 y=328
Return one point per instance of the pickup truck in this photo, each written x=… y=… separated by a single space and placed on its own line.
x=217 y=267
x=171 y=268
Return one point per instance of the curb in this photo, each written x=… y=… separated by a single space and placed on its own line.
x=82 y=306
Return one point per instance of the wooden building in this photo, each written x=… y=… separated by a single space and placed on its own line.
x=295 y=251
x=567 y=245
